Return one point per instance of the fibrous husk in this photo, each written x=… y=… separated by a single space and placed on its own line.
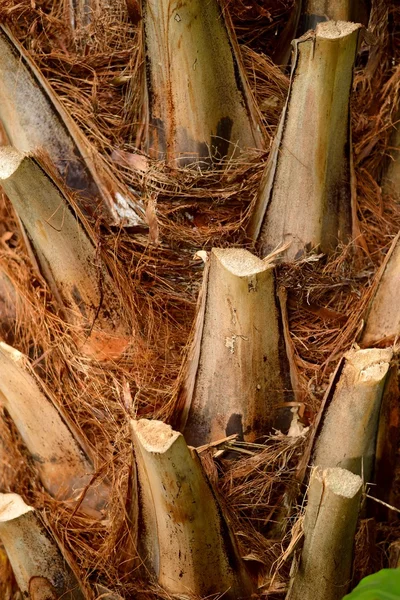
x=391 y=179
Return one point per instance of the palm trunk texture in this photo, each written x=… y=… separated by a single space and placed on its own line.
x=199 y=281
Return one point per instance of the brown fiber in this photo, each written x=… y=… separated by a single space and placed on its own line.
x=97 y=72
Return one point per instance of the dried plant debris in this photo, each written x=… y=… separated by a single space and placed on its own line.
x=91 y=54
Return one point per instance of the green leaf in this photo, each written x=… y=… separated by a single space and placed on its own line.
x=384 y=585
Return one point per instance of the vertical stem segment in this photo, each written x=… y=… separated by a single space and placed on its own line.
x=185 y=539
x=349 y=430
x=11 y=304
x=382 y=321
x=39 y=567
x=305 y=194
x=329 y=527
x=240 y=374
x=200 y=105
x=63 y=468
x=66 y=254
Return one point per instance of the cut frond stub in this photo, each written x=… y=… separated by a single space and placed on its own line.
x=200 y=105
x=329 y=526
x=66 y=254
x=34 y=119
x=382 y=320
x=351 y=417
x=185 y=540
x=64 y=470
x=38 y=565
x=239 y=372
x=305 y=193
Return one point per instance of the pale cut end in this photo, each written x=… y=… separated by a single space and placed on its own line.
x=154 y=436
x=342 y=482
x=12 y=507
x=372 y=363
x=240 y=262
x=336 y=29
x=12 y=353
x=10 y=160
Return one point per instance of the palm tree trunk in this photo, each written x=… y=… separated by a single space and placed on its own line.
x=117 y=351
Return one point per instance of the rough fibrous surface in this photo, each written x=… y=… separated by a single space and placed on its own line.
x=96 y=72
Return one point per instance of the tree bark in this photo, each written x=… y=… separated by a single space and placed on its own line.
x=39 y=567
x=240 y=372
x=349 y=430
x=185 y=540
x=46 y=126
x=382 y=319
x=200 y=105
x=67 y=256
x=329 y=527
x=305 y=195
x=63 y=468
